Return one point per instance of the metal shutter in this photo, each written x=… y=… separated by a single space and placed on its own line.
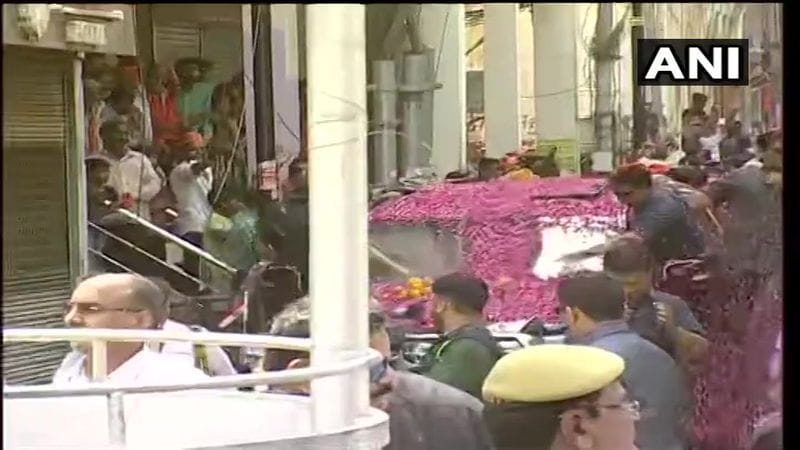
x=36 y=273
x=174 y=41
x=222 y=45
x=219 y=43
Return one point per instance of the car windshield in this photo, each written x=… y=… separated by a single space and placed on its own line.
x=567 y=248
x=422 y=249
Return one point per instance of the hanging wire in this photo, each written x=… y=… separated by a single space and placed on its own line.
x=441 y=45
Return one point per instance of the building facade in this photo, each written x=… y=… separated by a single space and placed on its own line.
x=44 y=213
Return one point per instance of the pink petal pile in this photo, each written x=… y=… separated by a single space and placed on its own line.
x=501 y=222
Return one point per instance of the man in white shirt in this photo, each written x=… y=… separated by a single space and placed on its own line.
x=212 y=359
x=132 y=174
x=191 y=181
x=121 y=301
x=711 y=143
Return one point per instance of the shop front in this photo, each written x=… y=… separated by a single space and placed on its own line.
x=43 y=189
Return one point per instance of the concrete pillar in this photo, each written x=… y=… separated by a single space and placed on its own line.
x=501 y=77
x=337 y=121
x=443 y=28
x=555 y=73
x=285 y=81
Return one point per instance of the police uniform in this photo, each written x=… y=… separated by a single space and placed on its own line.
x=551 y=372
x=527 y=390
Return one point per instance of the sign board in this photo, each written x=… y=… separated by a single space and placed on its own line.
x=268 y=175
x=692 y=62
x=568 y=156
x=88 y=33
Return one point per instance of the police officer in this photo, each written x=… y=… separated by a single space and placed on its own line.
x=559 y=397
x=467 y=351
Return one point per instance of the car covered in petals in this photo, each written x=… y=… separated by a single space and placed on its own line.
x=519 y=237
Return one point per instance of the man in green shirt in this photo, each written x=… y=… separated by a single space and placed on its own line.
x=194 y=98
x=467 y=351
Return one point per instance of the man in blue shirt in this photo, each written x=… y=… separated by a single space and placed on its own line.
x=659 y=317
x=660 y=216
x=593 y=306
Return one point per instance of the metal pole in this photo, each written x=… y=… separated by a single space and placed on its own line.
x=76 y=197
x=265 y=131
x=637 y=32
x=248 y=62
x=116 y=418
x=99 y=360
x=604 y=119
x=337 y=91
x=415 y=71
x=384 y=107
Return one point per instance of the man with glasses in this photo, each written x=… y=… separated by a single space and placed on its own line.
x=593 y=305
x=423 y=413
x=121 y=301
x=660 y=216
x=560 y=397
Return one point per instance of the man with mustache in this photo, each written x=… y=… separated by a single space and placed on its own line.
x=559 y=397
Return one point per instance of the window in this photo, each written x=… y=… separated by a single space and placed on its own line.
x=424 y=249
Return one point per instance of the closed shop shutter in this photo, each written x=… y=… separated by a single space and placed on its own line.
x=36 y=270
x=219 y=43
x=222 y=45
x=174 y=41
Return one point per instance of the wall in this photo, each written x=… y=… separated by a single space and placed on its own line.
x=285 y=80
x=120 y=35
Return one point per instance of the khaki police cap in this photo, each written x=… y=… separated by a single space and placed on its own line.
x=551 y=372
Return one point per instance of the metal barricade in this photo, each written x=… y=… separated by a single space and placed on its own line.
x=114 y=393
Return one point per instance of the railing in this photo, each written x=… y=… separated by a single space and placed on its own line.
x=202 y=282
x=177 y=241
x=114 y=392
x=138 y=250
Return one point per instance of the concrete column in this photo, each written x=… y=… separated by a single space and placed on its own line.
x=443 y=28
x=501 y=77
x=555 y=72
x=337 y=120
x=285 y=81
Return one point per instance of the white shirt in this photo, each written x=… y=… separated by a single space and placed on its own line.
x=218 y=360
x=145 y=367
x=191 y=195
x=711 y=144
x=134 y=174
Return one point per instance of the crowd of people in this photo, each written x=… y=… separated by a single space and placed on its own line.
x=167 y=144
x=645 y=364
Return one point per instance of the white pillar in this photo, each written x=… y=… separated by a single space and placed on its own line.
x=443 y=28
x=337 y=113
x=501 y=79
x=555 y=77
x=285 y=81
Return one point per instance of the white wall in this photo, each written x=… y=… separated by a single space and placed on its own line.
x=285 y=81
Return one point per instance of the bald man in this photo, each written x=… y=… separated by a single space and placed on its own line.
x=121 y=301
